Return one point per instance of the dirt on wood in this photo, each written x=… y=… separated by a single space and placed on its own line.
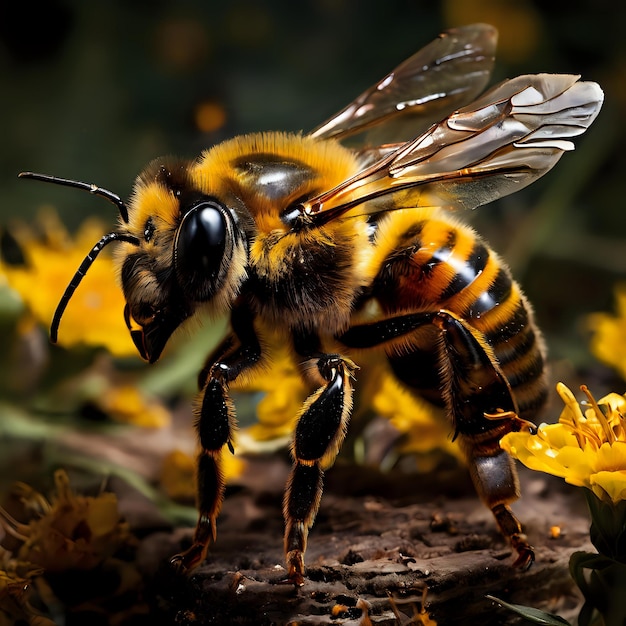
x=392 y=548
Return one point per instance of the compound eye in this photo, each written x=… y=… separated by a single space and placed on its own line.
x=200 y=248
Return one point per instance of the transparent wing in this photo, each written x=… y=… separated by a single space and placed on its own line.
x=500 y=143
x=446 y=74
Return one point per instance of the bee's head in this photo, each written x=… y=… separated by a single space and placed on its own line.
x=180 y=249
x=189 y=252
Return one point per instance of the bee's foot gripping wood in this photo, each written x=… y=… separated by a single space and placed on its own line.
x=189 y=559
x=319 y=434
x=512 y=529
x=210 y=495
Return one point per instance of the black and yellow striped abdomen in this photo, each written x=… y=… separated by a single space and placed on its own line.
x=429 y=261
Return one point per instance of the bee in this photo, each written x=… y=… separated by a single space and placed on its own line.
x=347 y=242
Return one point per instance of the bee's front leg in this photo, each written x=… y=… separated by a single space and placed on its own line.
x=215 y=424
x=319 y=434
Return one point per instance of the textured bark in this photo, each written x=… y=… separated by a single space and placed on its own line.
x=379 y=538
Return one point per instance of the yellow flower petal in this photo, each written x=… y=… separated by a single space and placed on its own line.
x=425 y=427
x=612 y=458
x=129 y=405
x=558 y=435
x=178 y=476
x=179 y=473
x=613 y=483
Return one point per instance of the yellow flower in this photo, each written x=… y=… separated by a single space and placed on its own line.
x=178 y=476
x=586 y=449
x=16 y=579
x=178 y=473
x=421 y=427
x=71 y=531
x=94 y=317
x=277 y=410
x=609 y=334
x=127 y=404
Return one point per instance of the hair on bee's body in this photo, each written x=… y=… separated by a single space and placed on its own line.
x=352 y=255
x=298 y=274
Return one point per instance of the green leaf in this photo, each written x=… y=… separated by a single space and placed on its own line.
x=602 y=582
x=608 y=526
x=531 y=614
x=579 y=561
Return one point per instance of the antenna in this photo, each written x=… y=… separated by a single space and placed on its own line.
x=90 y=187
x=95 y=251
x=80 y=274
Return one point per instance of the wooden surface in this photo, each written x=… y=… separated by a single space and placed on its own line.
x=379 y=538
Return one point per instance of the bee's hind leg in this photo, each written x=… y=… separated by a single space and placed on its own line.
x=480 y=401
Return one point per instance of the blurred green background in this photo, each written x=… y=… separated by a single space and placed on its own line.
x=95 y=90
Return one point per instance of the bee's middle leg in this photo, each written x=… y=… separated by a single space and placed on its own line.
x=319 y=434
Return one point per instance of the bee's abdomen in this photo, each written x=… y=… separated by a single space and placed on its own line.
x=436 y=264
